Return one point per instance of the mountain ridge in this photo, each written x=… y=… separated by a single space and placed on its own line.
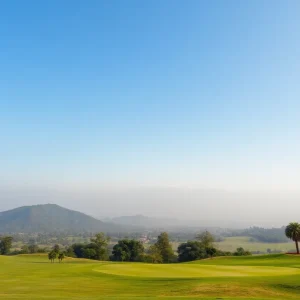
x=51 y=218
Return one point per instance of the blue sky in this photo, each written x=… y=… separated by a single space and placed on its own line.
x=159 y=93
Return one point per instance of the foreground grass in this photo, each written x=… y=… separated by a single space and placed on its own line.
x=261 y=277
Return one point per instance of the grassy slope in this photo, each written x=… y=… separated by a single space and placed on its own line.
x=261 y=277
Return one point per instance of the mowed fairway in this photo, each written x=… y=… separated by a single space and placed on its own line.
x=192 y=270
x=260 y=277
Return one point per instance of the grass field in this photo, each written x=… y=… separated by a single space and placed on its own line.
x=258 y=277
x=231 y=243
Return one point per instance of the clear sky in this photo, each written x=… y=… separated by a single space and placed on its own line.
x=201 y=94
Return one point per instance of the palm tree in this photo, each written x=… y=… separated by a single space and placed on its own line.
x=292 y=231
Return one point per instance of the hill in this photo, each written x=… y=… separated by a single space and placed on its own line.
x=50 y=218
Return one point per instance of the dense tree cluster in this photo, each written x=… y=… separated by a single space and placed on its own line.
x=56 y=253
x=128 y=250
x=201 y=248
x=191 y=250
x=97 y=248
x=5 y=244
x=124 y=250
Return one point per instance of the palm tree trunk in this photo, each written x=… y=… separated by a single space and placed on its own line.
x=297 y=246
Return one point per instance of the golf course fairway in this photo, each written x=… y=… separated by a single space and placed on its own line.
x=257 y=277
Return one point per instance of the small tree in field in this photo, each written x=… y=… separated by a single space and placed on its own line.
x=52 y=256
x=241 y=252
x=292 y=231
x=61 y=257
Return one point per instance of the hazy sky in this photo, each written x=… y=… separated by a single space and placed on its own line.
x=130 y=94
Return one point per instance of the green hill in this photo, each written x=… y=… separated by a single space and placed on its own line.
x=50 y=218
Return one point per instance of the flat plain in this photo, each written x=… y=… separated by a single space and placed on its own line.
x=231 y=243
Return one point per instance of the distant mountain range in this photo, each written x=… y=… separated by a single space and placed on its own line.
x=144 y=221
x=54 y=218
x=51 y=218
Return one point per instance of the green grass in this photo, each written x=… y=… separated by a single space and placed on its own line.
x=258 y=277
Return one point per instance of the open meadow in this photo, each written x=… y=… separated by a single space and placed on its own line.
x=231 y=243
x=258 y=277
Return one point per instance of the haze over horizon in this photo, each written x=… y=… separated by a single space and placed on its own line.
x=189 y=110
x=195 y=207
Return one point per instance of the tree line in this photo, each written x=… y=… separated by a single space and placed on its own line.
x=125 y=250
x=161 y=251
x=265 y=235
x=132 y=250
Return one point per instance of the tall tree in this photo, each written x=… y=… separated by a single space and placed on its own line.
x=5 y=244
x=206 y=239
x=101 y=242
x=165 y=247
x=292 y=231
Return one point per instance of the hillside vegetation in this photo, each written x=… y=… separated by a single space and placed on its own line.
x=51 y=218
